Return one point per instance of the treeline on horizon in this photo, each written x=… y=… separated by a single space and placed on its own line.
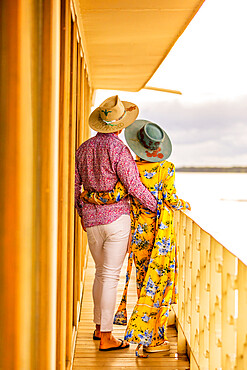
x=212 y=169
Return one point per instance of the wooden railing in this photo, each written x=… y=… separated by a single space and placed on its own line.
x=212 y=309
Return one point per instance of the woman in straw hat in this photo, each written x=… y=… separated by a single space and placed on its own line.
x=153 y=246
x=100 y=162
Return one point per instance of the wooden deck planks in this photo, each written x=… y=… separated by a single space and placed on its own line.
x=87 y=355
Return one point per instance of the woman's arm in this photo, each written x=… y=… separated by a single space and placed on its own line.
x=105 y=197
x=169 y=195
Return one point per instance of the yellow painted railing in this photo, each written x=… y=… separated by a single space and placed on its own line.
x=212 y=309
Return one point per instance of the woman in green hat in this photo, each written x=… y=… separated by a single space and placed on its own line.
x=153 y=245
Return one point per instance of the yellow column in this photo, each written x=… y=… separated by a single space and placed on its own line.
x=70 y=337
x=16 y=182
x=62 y=327
x=46 y=54
x=29 y=54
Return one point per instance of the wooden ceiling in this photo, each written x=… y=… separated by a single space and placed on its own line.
x=126 y=41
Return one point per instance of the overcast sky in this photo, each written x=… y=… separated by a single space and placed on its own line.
x=208 y=123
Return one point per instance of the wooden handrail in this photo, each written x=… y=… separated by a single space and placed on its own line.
x=211 y=310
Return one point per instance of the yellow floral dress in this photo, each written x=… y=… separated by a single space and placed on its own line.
x=153 y=249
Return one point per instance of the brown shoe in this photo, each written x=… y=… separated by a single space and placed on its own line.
x=161 y=348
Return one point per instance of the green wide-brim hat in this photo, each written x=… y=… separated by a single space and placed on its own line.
x=148 y=140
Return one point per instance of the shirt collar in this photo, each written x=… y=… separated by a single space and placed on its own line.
x=107 y=134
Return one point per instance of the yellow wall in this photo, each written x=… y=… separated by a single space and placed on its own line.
x=45 y=99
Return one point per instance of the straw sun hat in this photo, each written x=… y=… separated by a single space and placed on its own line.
x=148 y=140
x=113 y=115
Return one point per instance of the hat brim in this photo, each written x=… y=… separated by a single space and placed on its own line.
x=97 y=124
x=163 y=152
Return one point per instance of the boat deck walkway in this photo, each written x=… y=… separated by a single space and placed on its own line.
x=87 y=355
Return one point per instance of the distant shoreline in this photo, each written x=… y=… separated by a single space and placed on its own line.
x=213 y=169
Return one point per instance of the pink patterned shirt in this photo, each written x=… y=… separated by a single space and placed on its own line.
x=99 y=163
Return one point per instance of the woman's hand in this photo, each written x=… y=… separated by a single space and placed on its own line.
x=188 y=206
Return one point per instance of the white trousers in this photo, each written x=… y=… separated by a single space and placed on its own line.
x=108 y=246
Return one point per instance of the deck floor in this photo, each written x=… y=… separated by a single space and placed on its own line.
x=87 y=355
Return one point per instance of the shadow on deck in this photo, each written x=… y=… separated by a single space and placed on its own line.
x=87 y=355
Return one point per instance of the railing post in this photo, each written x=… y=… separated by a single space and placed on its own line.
x=242 y=322
x=195 y=280
x=193 y=363
x=215 y=309
x=188 y=267
x=228 y=310
x=181 y=282
x=204 y=300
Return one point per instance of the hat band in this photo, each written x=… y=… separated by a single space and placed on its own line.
x=146 y=142
x=114 y=120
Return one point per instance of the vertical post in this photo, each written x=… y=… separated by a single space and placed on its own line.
x=181 y=284
x=242 y=322
x=78 y=228
x=228 y=311
x=16 y=185
x=193 y=363
x=80 y=139
x=70 y=338
x=85 y=101
x=215 y=308
x=46 y=49
x=195 y=284
x=29 y=95
x=187 y=282
x=62 y=325
x=204 y=300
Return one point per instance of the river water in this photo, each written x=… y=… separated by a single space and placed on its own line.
x=219 y=206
